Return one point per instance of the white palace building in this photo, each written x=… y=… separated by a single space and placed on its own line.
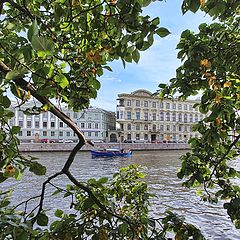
x=94 y=123
x=143 y=117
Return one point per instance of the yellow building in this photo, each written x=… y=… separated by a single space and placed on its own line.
x=143 y=117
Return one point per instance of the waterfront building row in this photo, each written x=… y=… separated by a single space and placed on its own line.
x=93 y=122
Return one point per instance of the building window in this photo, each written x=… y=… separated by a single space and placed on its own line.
x=129 y=103
x=75 y=115
x=29 y=124
x=20 y=123
x=161 y=127
x=185 y=107
x=168 y=127
x=89 y=134
x=167 y=105
x=129 y=136
x=145 y=103
x=52 y=133
x=96 y=134
x=36 y=124
x=161 y=104
x=129 y=126
x=68 y=114
x=60 y=133
x=20 y=133
x=185 y=128
x=137 y=103
x=179 y=128
x=168 y=116
x=154 y=104
x=180 y=117
x=190 y=118
x=44 y=124
x=89 y=125
x=161 y=116
x=179 y=106
x=96 y=125
x=145 y=127
x=154 y=127
x=196 y=118
x=138 y=115
x=145 y=137
x=129 y=115
x=137 y=126
x=174 y=106
x=185 y=118
x=137 y=136
x=145 y=116
x=28 y=133
x=161 y=136
x=174 y=128
x=174 y=117
x=68 y=134
x=61 y=124
x=190 y=107
x=52 y=124
x=44 y=133
x=154 y=116
x=82 y=125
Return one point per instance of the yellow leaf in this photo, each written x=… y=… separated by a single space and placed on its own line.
x=227 y=84
x=206 y=63
x=202 y=2
x=218 y=99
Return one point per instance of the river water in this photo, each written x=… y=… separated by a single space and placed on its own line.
x=161 y=168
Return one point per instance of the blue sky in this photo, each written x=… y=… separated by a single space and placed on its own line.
x=157 y=64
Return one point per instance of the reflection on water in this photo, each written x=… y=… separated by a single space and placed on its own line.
x=161 y=167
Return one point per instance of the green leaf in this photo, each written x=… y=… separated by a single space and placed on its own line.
x=6 y=102
x=37 y=168
x=103 y=180
x=59 y=213
x=194 y=5
x=14 y=74
x=42 y=44
x=162 y=32
x=62 y=81
x=16 y=129
x=42 y=219
x=136 y=55
x=33 y=30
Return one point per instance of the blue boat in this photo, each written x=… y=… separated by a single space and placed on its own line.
x=111 y=152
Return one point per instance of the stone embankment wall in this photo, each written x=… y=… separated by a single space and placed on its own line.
x=65 y=147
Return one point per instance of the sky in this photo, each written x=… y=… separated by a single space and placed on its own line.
x=157 y=64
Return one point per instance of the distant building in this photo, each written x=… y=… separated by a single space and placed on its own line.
x=143 y=117
x=93 y=122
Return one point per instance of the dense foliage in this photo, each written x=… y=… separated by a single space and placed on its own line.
x=210 y=65
x=56 y=50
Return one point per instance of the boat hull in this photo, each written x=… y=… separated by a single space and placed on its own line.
x=110 y=154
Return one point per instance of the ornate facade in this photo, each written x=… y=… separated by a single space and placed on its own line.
x=143 y=117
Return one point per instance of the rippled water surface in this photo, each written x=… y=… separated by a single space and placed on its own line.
x=161 y=168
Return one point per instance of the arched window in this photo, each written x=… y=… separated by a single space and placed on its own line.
x=190 y=118
x=161 y=116
x=196 y=118
x=185 y=117
x=168 y=116
x=174 y=117
x=180 y=117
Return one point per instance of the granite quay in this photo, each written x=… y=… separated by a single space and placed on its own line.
x=65 y=147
